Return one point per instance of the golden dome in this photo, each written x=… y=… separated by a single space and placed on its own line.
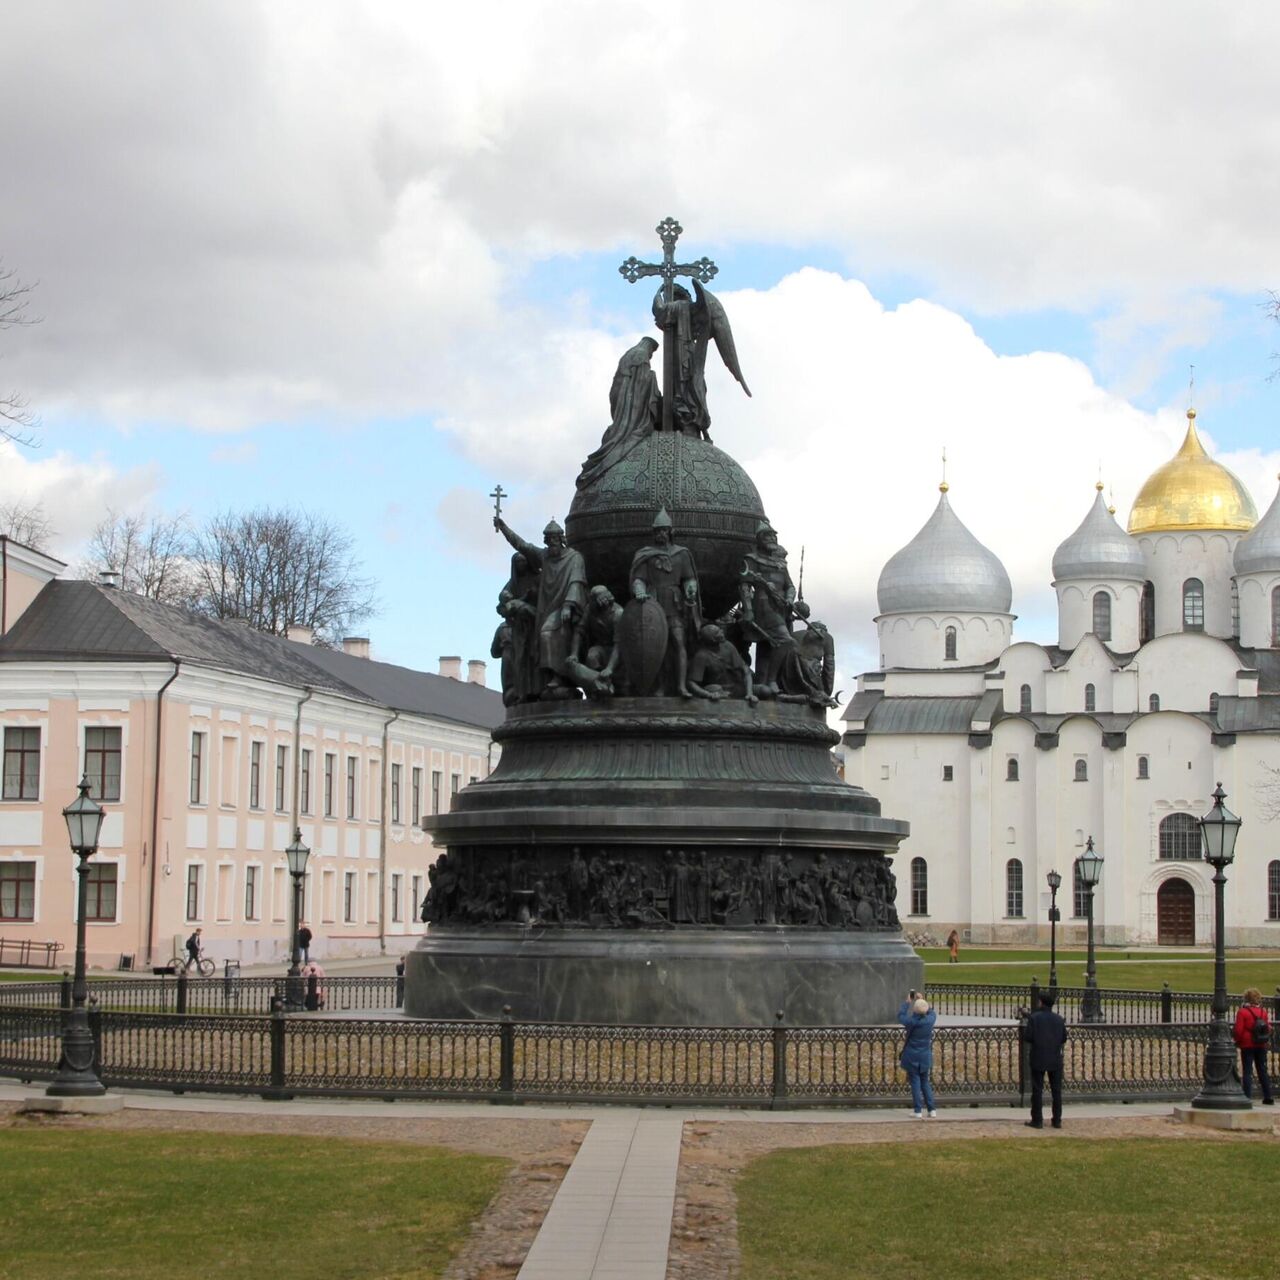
x=1192 y=491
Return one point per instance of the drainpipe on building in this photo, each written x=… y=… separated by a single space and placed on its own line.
x=4 y=581
x=384 y=827
x=155 y=814
x=297 y=757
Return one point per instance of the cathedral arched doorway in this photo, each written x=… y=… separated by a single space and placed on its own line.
x=1176 y=914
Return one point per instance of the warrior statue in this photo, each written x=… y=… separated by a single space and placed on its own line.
x=767 y=594
x=663 y=574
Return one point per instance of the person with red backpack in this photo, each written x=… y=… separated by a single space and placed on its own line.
x=1252 y=1035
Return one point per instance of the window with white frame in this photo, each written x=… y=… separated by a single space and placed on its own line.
x=195 y=884
x=415 y=895
x=196 y=792
x=919 y=887
x=1090 y=698
x=329 y=766
x=1144 y=768
x=304 y=781
x=100 y=892
x=1273 y=890
x=251 y=906
x=415 y=786
x=1193 y=605
x=1180 y=838
x=1079 y=893
x=397 y=897
x=21 y=763
x=435 y=790
x=1102 y=615
x=255 y=775
x=395 y=793
x=17 y=890
x=102 y=762
x=1013 y=888
x=282 y=776
x=349 y=897
x=353 y=777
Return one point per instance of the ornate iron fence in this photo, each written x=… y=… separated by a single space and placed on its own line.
x=285 y=1055
x=1126 y=1007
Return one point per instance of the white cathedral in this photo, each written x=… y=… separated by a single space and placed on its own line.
x=1007 y=756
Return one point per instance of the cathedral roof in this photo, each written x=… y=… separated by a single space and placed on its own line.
x=1259 y=550
x=944 y=567
x=1100 y=549
x=1192 y=491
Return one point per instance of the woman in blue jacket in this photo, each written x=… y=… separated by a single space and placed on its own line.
x=917 y=1052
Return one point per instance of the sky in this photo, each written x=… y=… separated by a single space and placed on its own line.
x=363 y=259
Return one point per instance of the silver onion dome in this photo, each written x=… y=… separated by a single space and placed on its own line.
x=1259 y=550
x=944 y=567
x=1100 y=549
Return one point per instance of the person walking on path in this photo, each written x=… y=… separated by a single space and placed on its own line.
x=917 y=1052
x=193 y=950
x=304 y=943
x=1046 y=1033
x=1252 y=1035
x=953 y=947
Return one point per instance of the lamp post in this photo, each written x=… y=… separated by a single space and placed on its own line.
x=1090 y=864
x=296 y=855
x=1218 y=830
x=1054 y=880
x=77 y=1076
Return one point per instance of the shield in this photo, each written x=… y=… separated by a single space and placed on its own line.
x=642 y=640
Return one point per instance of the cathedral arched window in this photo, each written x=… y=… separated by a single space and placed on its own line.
x=1193 y=605
x=1273 y=890
x=1235 y=609
x=1147 y=616
x=1180 y=838
x=919 y=887
x=1102 y=615
x=1213 y=704
x=1011 y=769
x=1024 y=699
x=1153 y=702
x=949 y=645
x=1144 y=767
x=1090 y=698
x=1013 y=887
x=1275 y=616
x=1079 y=894
x=1082 y=771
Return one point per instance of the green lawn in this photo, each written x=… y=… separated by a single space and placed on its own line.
x=143 y=1205
x=1125 y=970
x=1050 y=1206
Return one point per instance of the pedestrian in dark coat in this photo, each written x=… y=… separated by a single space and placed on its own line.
x=1252 y=1034
x=917 y=1052
x=304 y=943
x=1046 y=1033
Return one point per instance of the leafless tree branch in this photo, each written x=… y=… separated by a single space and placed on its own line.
x=26 y=522
x=17 y=421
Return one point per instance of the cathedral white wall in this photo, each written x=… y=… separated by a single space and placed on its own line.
x=1255 y=609
x=1183 y=670
x=1173 y=558
x=1075 y=612
x=919 y=639
x=1065 y=689
x=1028 y=664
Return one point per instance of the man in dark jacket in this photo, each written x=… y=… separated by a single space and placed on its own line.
x=1046 y=1033
x=303 y=943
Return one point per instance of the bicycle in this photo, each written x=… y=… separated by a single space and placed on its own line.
x=182 y=964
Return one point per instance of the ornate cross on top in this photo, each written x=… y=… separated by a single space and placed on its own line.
x=497 y=495
x=702 y=270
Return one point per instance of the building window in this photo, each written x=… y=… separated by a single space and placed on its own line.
x=17 y=890
x=282 y=775
x=435 y=790
x=1144 y=767
x=329 y=766
x=100 y=892
x=1102 y=615
x=102 y=763
x=194 y=876
x=352 y=765
x=255 y=775
x=197 y=768
x=919 y=887
x=1024 y=699
x=305 y=784
x=1013 y=887
x=1147 y=614
x=349 y=897
x=22 y=764
x=415 y=794
x=395 y=794
x=948 y=773
x=455 y=781
x=1011 y=769
x=949 y=645
x=397 y=907
x=251 y=893
x=1235 y=609
x=1193 y=605
x=1090 y=698
x=1275 y=616
x=1082 y=771
x=415 y=894
x=1180 y=838
x=1153 y=702
x=474 y=777
x=1079 y=893
x=1213 y=704
x=1273 y=890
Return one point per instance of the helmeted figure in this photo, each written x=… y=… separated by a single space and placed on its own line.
x=562 y=597
x=665 y=573
x=767 y=595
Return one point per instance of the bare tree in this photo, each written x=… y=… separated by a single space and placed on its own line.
x=26 y=522
x=150 y=552
x=1267 y=789
x=17 y=422
x=280 y=568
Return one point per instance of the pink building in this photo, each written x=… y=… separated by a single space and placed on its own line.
x=207 y=743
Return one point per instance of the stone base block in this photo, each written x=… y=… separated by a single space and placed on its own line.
x=1248 y=1120
x=104 y=1104
x=674 y=978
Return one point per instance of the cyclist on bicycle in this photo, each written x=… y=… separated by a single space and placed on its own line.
x=193 y=950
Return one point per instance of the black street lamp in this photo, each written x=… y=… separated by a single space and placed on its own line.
x=1090 y=864
x=1055 y=883
x=77 y=1075
x=296 y=855
x=1218 y=830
